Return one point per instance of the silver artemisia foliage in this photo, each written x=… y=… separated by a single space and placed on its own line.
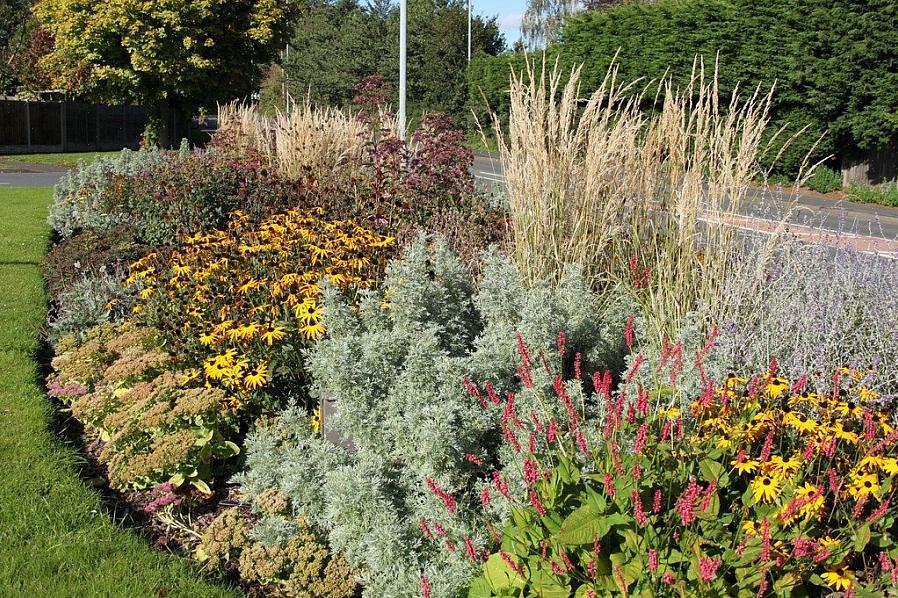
x=395 y=364
x=77 y=196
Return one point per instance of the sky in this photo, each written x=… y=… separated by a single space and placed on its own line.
x=509 y=12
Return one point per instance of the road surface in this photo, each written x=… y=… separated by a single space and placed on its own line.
x=866 y=227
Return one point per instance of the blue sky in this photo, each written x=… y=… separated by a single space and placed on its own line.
x=509 y=12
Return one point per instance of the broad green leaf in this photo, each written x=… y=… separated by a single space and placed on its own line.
x=584 y=526
x=862 y=537
x=480 y=588
x=201 y=486
x=500 y=576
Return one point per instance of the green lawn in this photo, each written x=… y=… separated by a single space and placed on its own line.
x=56 y=539
x=62 y=160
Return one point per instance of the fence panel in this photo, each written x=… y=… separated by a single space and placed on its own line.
x=68 y=126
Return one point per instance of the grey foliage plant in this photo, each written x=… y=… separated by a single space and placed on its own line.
x=819 y=309
x=77 y=197
x=92 y=300
x=395 y=364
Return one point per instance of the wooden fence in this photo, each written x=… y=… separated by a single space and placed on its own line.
x=878 y=166
x=27 y=127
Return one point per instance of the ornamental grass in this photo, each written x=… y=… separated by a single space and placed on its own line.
x=601 y=182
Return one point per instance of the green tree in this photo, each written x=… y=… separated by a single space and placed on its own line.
x=338 y=42
x=170 y=53
x=16 y=33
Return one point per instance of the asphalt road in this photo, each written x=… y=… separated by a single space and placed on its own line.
x=29 y=179
x=867 y=227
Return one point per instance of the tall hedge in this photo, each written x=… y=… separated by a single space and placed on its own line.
x=834 y=62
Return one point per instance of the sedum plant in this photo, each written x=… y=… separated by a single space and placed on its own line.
x=395 y=364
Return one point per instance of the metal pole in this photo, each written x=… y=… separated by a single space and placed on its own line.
x=469 y=30
x=403 y=33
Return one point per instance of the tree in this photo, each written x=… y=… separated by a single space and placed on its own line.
x=17 y=39
x=338 y=42
x=543 y=19
x=164 y=54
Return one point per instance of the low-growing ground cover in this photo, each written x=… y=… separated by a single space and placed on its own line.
x=56 y=536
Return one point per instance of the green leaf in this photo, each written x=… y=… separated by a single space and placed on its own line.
x=177 y=479
x=585 y=526
x=480 y=588
x=862 y=537
x=713 y=471
x=546 y=585
x=500 y=576
x=201 y=486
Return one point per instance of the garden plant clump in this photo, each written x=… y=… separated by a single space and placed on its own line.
x=327 y=366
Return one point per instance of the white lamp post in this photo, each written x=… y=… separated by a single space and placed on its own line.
x=403 y=32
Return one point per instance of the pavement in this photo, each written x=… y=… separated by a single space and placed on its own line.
x=813 y=217
x=24 y=174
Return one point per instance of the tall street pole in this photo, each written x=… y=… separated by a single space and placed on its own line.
x=469 y=30
x=403 y=33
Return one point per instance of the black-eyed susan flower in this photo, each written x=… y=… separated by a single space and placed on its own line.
x=315 y=421
x=313 y=331
x=257 y=377
x=863 y=485
x=800 y=422
x=272 y=334
x=838 y=578
x=745 y=465
x=765 y=488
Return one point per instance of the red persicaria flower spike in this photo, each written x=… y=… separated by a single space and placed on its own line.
x=653 y=560
x=869 y=427
x=631 y=413
x=491 y=393
x=578 y=363
x=634 y=369
x=531 y=442
x=837 y=384
x=470 y=550
x=524 y=375
x=879 y=512
x=485 y=497
x=708 y=568
x=450 y=546
x=562 y=339
x=668 y=578
x=774 y=366
x=557 y=570
x=656 y=503
x=809 y=450
x=799 y=384
x=531 y=471
x=665 y=430
x=885 y=563
x=581 y=441
x=515 y=566
x=537 y=422
x=642 y=401
x=680 y=432
x=767 y=447
x=511 y=438
x=439 y=529
x=448 y=499
x=472 y=388
x=638 y=513
x=592 y=568
x=552 y=431
x=686 y=503
x=609 y=485
x=636 y=472
x=567 y=560
x=522 y=348
x=628 y=331
x=765 y=540
x=534 y=500
x=834 y=483
x=501 y=485
x=425 y=587
x=473 y=459
x=762 y=588
x=641 y=437
x=425 y=529
x=859 y=506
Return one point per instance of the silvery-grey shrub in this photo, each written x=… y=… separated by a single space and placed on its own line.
x=77 y=195
x=93 y=299
x=395 y=364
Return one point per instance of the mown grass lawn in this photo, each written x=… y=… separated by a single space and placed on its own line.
x=69 y=160
x=55 y=537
